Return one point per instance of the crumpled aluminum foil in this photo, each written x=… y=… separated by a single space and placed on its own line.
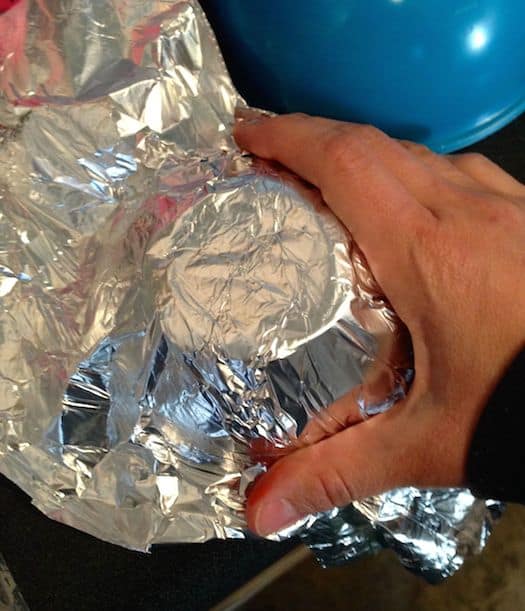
x=176 y=315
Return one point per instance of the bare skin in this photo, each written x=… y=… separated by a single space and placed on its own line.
x=445 y=238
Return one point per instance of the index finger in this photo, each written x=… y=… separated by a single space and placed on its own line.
x=345 y=162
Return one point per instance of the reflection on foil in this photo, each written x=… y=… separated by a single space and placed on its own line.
x=174 y=315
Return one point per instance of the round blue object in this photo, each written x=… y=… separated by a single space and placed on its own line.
x=442 y=72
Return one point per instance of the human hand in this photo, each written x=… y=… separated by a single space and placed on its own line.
x=445 y=239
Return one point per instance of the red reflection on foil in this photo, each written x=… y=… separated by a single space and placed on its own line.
x=7 y=4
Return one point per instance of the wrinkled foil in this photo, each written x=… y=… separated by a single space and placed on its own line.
x=175 y=315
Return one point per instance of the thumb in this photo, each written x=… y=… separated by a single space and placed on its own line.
x=359 y=462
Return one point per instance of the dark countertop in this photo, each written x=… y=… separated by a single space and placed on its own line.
x=60 y=569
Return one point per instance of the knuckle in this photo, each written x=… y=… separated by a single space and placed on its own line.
x=420 y=150
x=367 y=134
x=329 y=487
x=472 y=160
x=333 y=491
x=343 y=150
x=349 y=145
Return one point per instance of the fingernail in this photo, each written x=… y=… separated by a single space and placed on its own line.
x=274 y=516
x=250 y=116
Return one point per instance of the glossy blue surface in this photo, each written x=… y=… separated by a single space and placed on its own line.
x=442 y=72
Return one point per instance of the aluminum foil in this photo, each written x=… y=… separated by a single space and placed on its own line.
x=175 y=315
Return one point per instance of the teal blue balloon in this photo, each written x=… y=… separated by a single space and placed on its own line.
x=445 y=73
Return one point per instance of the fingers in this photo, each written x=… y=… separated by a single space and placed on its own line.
x=348 y=163
x=361 y=461
x=318 y=148
x=345 y=161
x=439 y=164
x=488 y=174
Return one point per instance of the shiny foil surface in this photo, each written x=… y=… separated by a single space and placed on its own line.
x=175 y=315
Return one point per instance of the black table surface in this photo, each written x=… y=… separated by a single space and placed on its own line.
x=60 y=569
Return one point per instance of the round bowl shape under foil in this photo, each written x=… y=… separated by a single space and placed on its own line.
x=444 y=73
